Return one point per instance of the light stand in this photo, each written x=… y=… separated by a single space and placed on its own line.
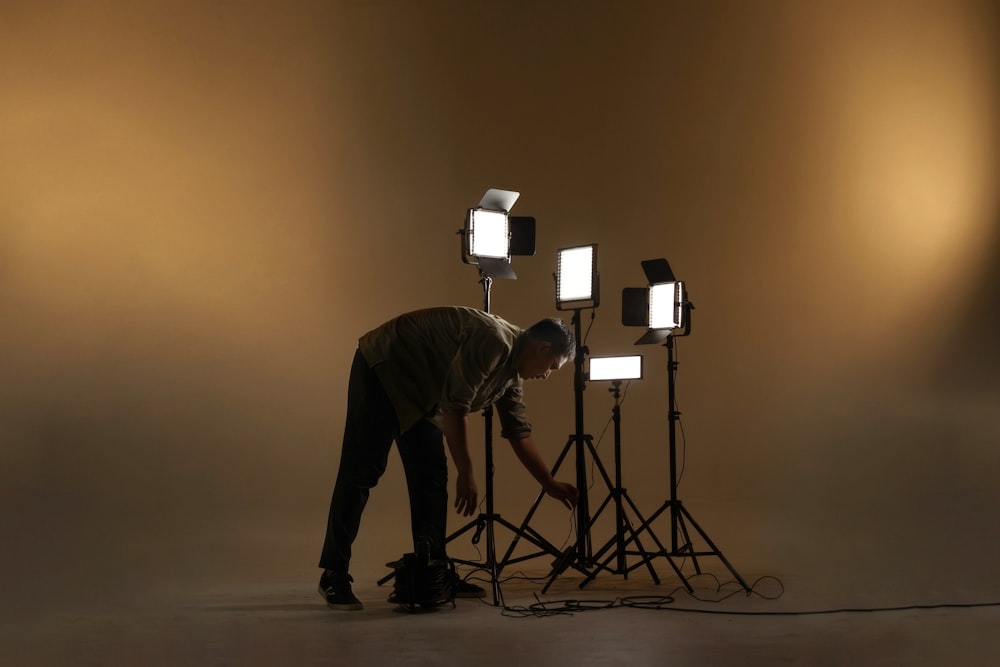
x=485 y=521
x=490 y=267
x=625 y=532
x=673 y=320
x=576 y=287
x=581 y=554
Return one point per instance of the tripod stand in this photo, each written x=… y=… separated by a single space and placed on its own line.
x=681 y=545
x=618 y=544
x=486 y=521
x=581 y=554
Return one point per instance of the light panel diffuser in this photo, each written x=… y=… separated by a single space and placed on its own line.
x=616 y=368
x=576 y=277
x=665 y=305
x=488 y=234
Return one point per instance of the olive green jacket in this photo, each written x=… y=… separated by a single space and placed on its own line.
x=449 y=358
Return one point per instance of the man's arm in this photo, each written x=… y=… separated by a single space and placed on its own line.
x=456 y=434
x=527 y=454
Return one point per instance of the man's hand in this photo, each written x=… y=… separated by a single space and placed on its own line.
x=466 y=494
x=456 y=429
x=527 y=454
x=564 y=492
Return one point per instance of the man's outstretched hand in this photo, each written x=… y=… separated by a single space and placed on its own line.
x=466 y=495
x=564 y=492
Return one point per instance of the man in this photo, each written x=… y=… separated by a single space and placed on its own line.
x=415 y=380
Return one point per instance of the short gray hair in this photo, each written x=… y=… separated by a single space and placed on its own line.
x=557 y=334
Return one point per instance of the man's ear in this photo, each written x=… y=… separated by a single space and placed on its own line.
x=544 y=347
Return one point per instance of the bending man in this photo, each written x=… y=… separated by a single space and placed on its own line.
x=415 y=380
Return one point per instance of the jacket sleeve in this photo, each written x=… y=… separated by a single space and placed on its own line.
x=514 y=424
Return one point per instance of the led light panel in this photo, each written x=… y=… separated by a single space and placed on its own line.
x=665 y=305
x=488 y=234
x=575 y=274
x=616 y=368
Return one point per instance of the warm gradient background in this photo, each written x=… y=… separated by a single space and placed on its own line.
x=203 y=205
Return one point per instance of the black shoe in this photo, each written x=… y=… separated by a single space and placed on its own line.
x=336 y=590
x=467 y=589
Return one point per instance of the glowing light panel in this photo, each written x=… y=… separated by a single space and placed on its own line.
x=488 y=234
x=665 y=305
x=575 y=274
x=616 y=368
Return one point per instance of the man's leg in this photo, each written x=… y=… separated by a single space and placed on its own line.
x=426 y=467
x=369 y=430
x=421 y=450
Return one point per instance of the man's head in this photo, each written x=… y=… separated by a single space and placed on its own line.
x=549 y=344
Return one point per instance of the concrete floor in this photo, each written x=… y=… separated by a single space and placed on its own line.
x=269 y=620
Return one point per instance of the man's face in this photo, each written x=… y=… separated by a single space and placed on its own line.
x=540 y=362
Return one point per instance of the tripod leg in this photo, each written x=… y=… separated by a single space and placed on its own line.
x=492 y=564
x=599 y=565
x=715 y=549
x=666 y=553
x=688 y=545
x=647 y=557
x=517 y=536
x=534 y=507
x=621 y=543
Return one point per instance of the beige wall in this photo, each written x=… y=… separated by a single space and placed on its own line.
x=202 y=208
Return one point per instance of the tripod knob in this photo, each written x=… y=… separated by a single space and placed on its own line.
x=480 y=526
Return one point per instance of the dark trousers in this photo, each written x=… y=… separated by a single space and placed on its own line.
x=369 y=432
